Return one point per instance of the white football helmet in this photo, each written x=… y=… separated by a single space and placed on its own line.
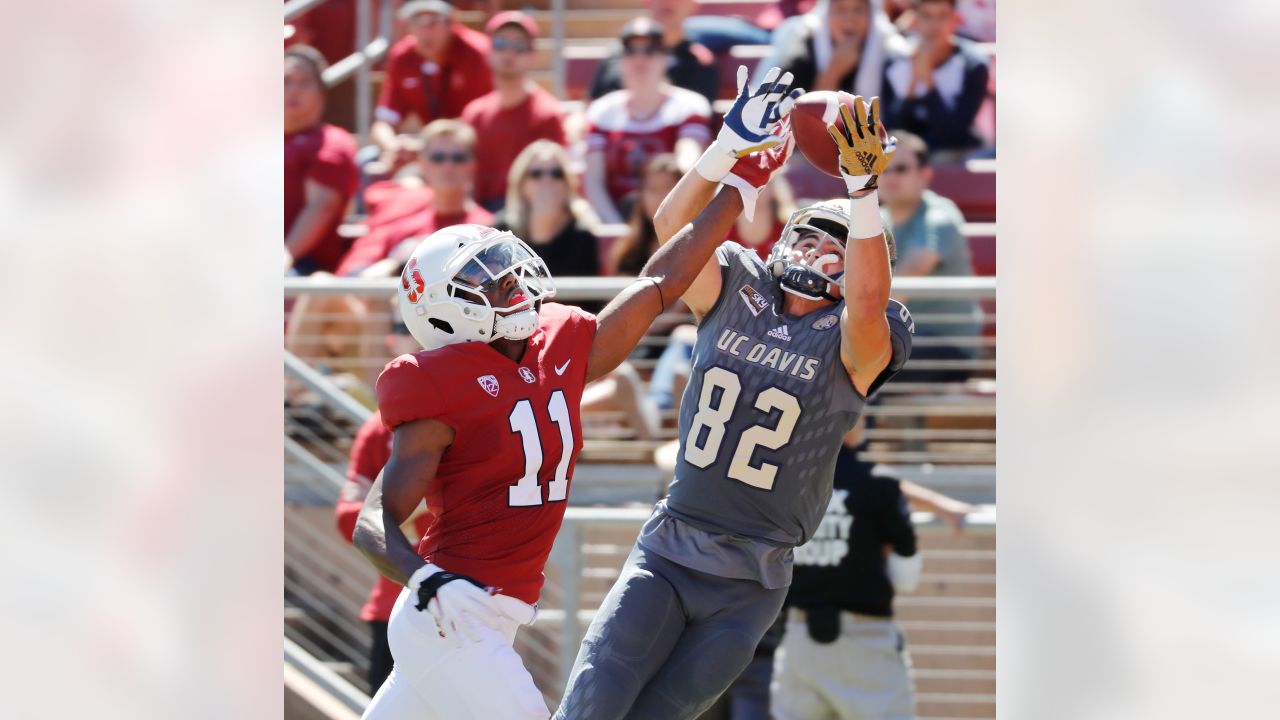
x=828 y=219
x=442 y=288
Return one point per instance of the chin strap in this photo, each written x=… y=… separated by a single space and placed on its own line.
x=516 y=326
x=801 y=280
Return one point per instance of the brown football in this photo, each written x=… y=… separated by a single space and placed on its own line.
x=809 y=119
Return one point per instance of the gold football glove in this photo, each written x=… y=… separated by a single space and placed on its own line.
x=865 y=149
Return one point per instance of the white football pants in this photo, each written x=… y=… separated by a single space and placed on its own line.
x=433 y=680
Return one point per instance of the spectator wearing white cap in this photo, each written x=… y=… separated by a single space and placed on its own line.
x=649 y=116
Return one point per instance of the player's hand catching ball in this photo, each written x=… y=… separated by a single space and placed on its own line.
x=865 y=148
x=455 y=602
x=750 y=124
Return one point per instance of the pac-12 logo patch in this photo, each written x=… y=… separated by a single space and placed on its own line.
x=527 y=375
x=826 y=322
x=489 y=383
x=756 y=302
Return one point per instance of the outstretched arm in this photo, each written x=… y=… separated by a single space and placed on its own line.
x=864 y=331
x=950 y=510
x=666 y=276
x=753 y=143
x=688 y=258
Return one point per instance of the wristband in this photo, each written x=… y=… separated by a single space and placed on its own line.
x=716 y=162
x=427 y=579
x=864 y=217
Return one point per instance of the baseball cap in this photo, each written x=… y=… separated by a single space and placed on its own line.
x=416 y=7
x=511 y=17
x=641 y=27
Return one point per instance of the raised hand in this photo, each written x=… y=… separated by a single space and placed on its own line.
x=864 y=149
x=752 y=172
x=750 y=125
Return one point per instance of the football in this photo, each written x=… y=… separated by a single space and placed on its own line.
x=809 y=119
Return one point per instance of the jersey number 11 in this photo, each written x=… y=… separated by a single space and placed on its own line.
x=527 y=492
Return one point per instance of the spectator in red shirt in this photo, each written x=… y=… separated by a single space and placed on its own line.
x=320 y=174
x=430 y=74
x=448 y=168
x=647 y=117
x=516 y=113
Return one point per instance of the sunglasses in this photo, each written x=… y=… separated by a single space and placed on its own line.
x=426 y=20
x=456 y=158
x=649 y=50
x=539 y=173
x=499 y=43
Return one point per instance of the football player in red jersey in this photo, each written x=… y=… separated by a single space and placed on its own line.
x=485 y=426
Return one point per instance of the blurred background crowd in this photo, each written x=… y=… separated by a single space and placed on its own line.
x=468 y=126
x=567 y=122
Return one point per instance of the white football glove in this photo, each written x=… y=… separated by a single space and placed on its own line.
x=749 y=124
x=455 y=602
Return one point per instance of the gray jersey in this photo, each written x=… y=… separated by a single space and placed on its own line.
x=761 y=423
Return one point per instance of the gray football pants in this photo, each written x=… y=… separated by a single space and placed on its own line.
x=666 y=642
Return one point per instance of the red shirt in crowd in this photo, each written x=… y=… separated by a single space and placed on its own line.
x=764 y=248
x=628 y=142
x=325 y=154
x=414 y=86
x=507 y=131
x=369 y=453
x=501 y=488
x=414 y=217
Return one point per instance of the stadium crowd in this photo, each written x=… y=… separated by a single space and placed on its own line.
x=465 y=131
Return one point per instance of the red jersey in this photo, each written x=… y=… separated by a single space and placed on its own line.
x=325 y=154
x=500 y=491
x=386 y=240
x=414 y=86
x=507 y=131
x=628 y=142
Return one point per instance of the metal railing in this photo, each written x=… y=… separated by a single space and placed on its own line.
x=916 y=419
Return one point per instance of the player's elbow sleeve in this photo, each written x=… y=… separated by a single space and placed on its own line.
x=904 y=572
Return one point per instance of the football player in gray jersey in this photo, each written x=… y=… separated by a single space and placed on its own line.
x=787 y=353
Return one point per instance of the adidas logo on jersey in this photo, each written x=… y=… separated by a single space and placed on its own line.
x=780 y=332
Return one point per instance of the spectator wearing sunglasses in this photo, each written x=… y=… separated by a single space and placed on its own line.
x=647 y=117
x=516 y=113
x=928 y=229
x=690 y=65
x=432 y=73
x=448 y=170
x=544 y=210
